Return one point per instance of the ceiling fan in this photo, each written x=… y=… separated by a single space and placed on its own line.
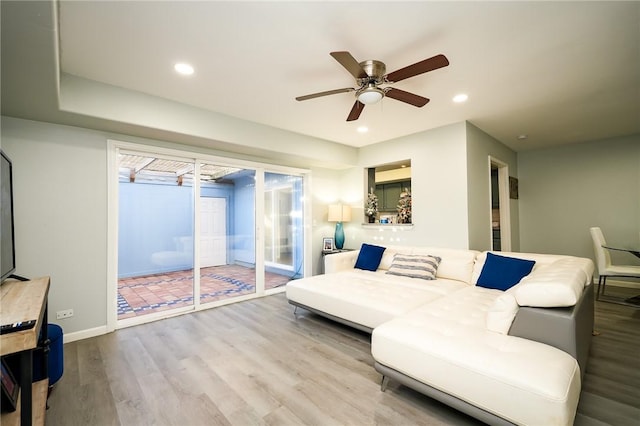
x=370 y=75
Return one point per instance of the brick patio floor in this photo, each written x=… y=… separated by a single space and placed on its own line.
x=159 y=292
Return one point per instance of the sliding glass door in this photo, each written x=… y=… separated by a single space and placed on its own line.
x=192 y=232
x=227 y=232
x=155 y=241
x=283 y=228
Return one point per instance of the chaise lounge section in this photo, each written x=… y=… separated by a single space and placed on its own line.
x=505 y=357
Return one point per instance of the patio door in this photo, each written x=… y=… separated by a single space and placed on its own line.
x=191 y=231
x=155 y=241
x=227 y=233
x=283 y=222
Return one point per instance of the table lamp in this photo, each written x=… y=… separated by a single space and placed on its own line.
x=339 y=213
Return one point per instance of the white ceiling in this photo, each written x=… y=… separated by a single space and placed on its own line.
x=559 y=72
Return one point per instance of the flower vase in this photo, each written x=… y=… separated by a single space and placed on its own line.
x=339 y=236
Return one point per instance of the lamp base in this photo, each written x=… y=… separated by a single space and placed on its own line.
x=339 y=236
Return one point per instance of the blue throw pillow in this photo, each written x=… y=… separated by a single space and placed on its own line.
x=502 y=273
x=369 y=257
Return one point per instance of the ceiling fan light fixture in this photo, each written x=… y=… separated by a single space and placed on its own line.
x=370 y=95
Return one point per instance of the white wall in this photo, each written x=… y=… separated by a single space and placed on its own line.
x=187 y=124
x=60 y=207
x=479 y=147
x=438 y=186
x=326 y=190
x=566 y=190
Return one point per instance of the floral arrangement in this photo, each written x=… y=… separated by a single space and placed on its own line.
x=404 y=207
x=371 y=205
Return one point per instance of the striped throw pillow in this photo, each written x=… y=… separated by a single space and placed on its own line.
x=415 y=266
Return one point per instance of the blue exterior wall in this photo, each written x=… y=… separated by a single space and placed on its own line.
x=244 y=218
x=151 y=217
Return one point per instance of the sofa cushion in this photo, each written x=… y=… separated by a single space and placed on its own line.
x=367 y=298
x=456 y=264
x=559 y=284
x=522 y=381
x=369 y=257
x=387 y=257
x=540 y=259
x=415 y=266
x=501 y=313
x=502 y=272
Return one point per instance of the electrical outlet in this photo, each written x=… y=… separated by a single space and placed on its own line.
x=64 y=314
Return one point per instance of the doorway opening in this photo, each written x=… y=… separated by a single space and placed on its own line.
x=500 y=225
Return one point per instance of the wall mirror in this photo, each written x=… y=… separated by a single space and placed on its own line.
x=391 y=185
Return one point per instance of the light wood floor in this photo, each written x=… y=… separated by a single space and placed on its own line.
x=254 y=363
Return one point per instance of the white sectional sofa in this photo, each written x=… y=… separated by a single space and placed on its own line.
x=504 y=357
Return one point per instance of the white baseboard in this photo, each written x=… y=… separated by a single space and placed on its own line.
x=84 y=334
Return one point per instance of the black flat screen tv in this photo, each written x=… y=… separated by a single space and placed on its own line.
x=7 y=236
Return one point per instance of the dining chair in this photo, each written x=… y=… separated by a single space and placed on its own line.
x=603 y=262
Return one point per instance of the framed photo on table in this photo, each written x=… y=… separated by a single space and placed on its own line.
x=328 y=244
x=10 y=388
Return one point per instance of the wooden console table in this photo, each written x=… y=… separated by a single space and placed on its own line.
x=23 y=301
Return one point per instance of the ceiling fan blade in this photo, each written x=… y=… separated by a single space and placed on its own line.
x=327 y=93
x=409 y=98
x=355 y=111
x=349 y=62
x=421 y=67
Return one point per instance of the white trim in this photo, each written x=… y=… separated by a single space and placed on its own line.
x=112 y=235
x=197 y=200
x=143 y=319
x=307 y=269
x=387 y=225
x=231 y=301
x=258 y=206
x=275 y=265
x=276 y=290
x=84 y=334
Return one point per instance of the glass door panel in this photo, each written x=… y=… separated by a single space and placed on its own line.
x=283 y=224
x=155 y=234
x=227 y=232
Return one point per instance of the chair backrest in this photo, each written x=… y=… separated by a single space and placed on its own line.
x=603 y=260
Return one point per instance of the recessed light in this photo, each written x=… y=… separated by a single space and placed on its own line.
x=184 y=69
x=363 y=129
x=523 y=137
x=460 y=98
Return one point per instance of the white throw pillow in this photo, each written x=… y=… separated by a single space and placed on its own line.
x=500 y=315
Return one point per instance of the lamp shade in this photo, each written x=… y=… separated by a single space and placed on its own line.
x=370 y=95
x=339 y=213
